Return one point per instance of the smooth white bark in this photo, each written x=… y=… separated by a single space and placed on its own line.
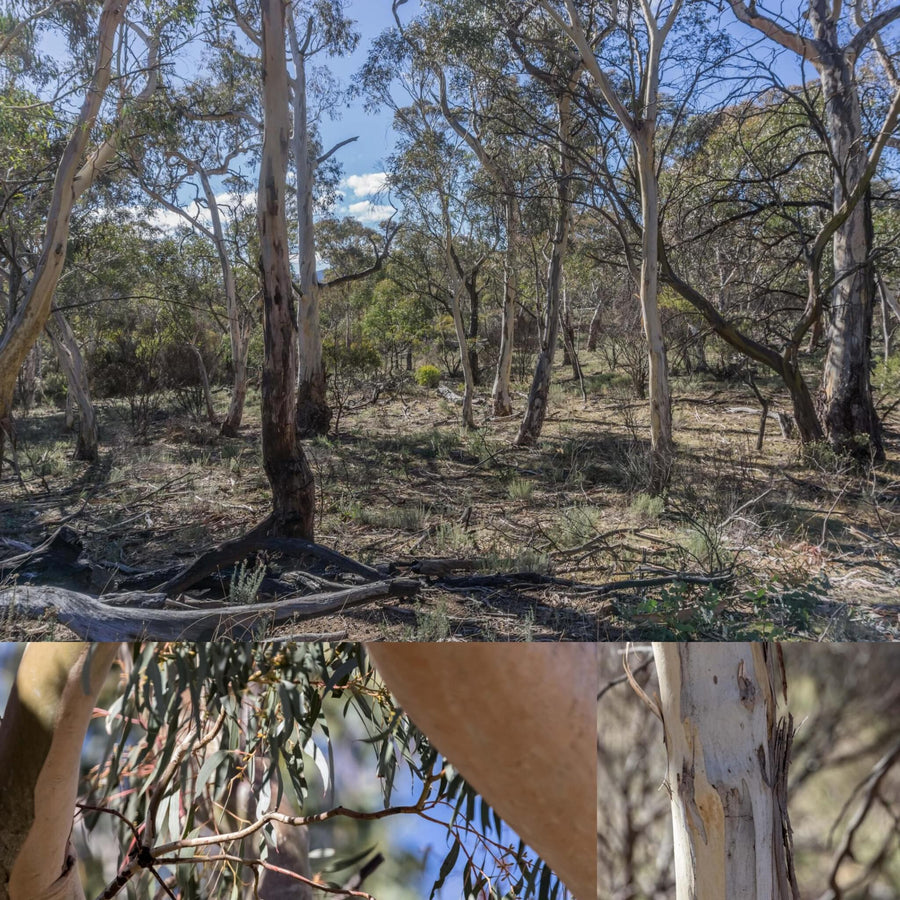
x=41 y=737
x=727 y=769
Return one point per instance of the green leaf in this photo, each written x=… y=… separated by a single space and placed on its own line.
x=446 y=868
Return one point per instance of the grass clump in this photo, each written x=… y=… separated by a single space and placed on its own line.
x=647 y=507
x=579 y=524
x=519 y=489
x=529 y=560
x=245 y=583
x=432 y=624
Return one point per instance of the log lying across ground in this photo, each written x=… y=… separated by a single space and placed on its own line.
x=134 y=616
x=155 y=605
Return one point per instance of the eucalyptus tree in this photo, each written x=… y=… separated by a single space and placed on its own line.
x=29 y=146
x=80 y=164
x=286 y=465
x=198 y=139
x=591 y=27
x=825 y=36
x=432 y=173
x=534 y=108
x=432 y=176
x=465 y=48
x=744 y=202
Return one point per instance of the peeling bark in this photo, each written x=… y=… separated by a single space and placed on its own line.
x=728 y=752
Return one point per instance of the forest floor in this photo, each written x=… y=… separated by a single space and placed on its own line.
x=807 y=548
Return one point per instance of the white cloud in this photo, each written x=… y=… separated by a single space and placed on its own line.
x=169 y=220
x=365 y=185
x=370 y=213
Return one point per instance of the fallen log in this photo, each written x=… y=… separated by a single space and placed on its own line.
x=526 y=579
x=135 y=616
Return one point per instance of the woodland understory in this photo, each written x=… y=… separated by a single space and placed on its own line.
x=449 y=534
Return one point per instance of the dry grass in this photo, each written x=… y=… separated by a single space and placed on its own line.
x=815 y=548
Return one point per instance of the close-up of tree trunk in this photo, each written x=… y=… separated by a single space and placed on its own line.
x=728 y=752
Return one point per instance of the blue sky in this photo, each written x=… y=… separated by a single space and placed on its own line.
x=368 y=155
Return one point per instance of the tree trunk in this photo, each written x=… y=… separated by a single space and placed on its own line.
x=595 y=326
x=289 y=474
x=465 y=358
x=471 y=285
x=500 y=393
x=805 y=416
x=536 y=410
x=41 y=737
x=728 y=754
x=28 y=378
x=30 y=317
x=457 y=286
x=204 y=384
x=500 y=712
x=72 y=363
x=232 y=421
x=238 y=330
x=569 y=348
x=885 y=321
x=850 y=419
x=313 y=412
x=661 y=447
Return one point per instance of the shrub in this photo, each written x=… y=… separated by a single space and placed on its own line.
x=648 y=507
x=428 y=376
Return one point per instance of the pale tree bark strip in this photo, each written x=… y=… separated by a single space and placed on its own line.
x=728 y=752
x=238 y=330
x=41 y=737
x=72 y=363
x=519 y=721
x=313 y=411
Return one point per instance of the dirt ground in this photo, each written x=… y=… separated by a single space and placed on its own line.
x=791 y=547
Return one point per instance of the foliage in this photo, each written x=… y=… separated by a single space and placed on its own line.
x=200 y=723
x=346 y=366
x=428 y=376
x=245 y=583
